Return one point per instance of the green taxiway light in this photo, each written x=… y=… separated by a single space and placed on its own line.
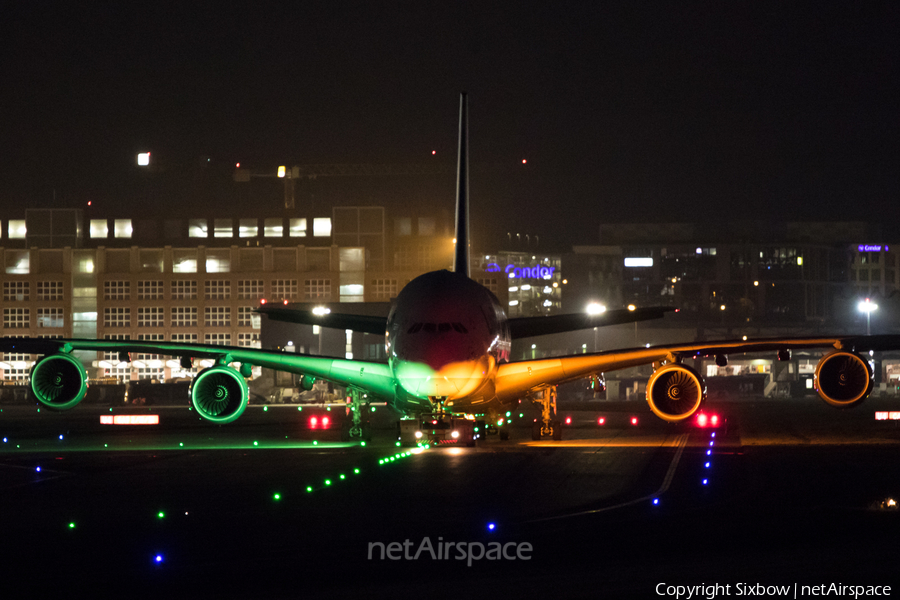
x=362 y=443
x=507 y=413
x=373 y=409
x=397 y=444
x=343 y=476
x=299 y=408
x=521 y=415
x=381 y=461
x=106 y=445
x=161 y=514
x=265 y=409
x=72 y=525
x=315 y=442
x=309 y=488
x=356 y=471
x=327 y=482
x=328 y=409
x=277 y=497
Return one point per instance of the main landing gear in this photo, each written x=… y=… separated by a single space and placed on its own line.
x=547 y=425
x=354 y=426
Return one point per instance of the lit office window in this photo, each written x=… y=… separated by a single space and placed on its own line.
x=122 y=228
x=197 y=228
x=17 y=229
x=217 y=316
x=248 y=228
x=248 y=340
x=217 y=289
x=426 y=226
x=273 y=228
x=150 y=290
x=16 y=318
x=222 y=228
x=50 y=317
x=99 y=228
x=116 y=317
x=322 y=226
x=150 y=316
x=248 y=318
x=217 y=339
x=218 y=261
x=297 y=228
x=18 y=262
x=184 y=261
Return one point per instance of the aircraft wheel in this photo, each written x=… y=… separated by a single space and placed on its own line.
x=536 y=431
x=557 y=431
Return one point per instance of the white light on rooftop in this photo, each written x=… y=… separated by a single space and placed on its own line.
x=595 y=308
x=143 y=159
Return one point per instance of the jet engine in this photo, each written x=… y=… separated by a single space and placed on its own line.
x=843 y=379
x=675 y=392
x=219 y=394
x=59 y=381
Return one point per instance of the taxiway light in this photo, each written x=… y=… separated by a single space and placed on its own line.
x=568 y=420
x=38 y=469
x=324 y=421
x=60 y=437
x=255 y=443
x=343 y=476
x=706 y=465
x=313 y=421
x=309 y=488
x=327 y=482
x=276 y=497
x=701 y=420
x=158 y=558
x=601 y=421
x=708 y=452
x=161 y=514
x=655 y=501
x=5 y=440
x=72 y=525
x=634 y=420
x=705 y=481
x=397 y=444
x=492 y=526
x=356 y=471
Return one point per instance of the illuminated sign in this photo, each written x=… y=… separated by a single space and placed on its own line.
x=638 y=262
x=872 y=248
x=129 y=419
x=514 y=272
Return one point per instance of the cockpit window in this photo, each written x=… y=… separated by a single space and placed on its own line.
x=444 y=327
x=415 y=328
x=429 y=327
x=460 y=328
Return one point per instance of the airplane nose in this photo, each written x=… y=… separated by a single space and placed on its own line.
x=423 y=381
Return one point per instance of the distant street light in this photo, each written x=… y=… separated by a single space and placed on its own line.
x=595 y=309
x=143 y=159
x=867 y=306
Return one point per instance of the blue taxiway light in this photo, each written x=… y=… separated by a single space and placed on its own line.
x=655 y=501
x=705 y=481
x=708 y=452
x=158 y=558
x=491 y=526
x=38 y=469
x=706 y=465
x=60 y=437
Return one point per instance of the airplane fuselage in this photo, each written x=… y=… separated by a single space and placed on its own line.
x=446 y=335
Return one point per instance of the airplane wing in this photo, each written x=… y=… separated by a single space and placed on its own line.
x=360 y=323
x=219 y=392
x=523 y=327
x=843 y=377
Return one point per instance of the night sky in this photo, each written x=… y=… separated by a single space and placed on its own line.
x=624 y=111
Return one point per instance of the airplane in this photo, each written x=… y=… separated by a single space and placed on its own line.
x=447 y=341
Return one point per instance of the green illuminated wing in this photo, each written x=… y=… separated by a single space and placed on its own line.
x=518 y=378
x=368 y=376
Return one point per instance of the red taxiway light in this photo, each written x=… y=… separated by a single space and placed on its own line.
x=634 y=420
x=601 y=421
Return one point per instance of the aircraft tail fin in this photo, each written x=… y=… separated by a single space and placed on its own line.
x=461 y=252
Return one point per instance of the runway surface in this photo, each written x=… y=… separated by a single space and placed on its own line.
x=791 y=491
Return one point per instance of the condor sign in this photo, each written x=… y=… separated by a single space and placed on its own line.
x=514 y=272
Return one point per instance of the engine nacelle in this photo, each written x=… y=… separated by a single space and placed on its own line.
x=843 y=379
x=675 y=392
x=219 y=394
x=59 y=381
x=307 y=382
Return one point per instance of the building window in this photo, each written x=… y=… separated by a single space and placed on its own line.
x=273 y=228
x=248 y=228
x=384 y=289
x=116 y=290
x=17 y=229
x=184 y=261
x=247 y=318
x=322 y=227
x=50 y=290
x=150 y=290
x=113 y=355
x=217 y=289
x=150 y=366
x=218 y=261
x=284 y=289
x=184 y=290
x=16 y=318
x=248 y=340
x=50 y=317
x=150 y=316
x=99 y=228
x=18 y=262
x=197 y=228
x=317 y=288
x=403 y=226
x=250 y=289
x=297 y=228
x=217 y=316
x=218 y=339
x=16 y=291
x=185 y=338
x=117 y=317
x=184 y=316
x=490 y=284
x=222 y=228
x=122 y=228
x=426 y=226
x=425 y=256
x=403 y=259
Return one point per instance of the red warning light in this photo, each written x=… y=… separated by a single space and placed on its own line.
x=89 y=202
x=634 y=420
x=701 y=420
x=568 y=420
x=263 y=301
x=237 y=165
x=601 y=421
x=524 y=161
x=313 y=422
x=714 y=420
x=433 y=152
x=325 y=422
x=285 y=302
